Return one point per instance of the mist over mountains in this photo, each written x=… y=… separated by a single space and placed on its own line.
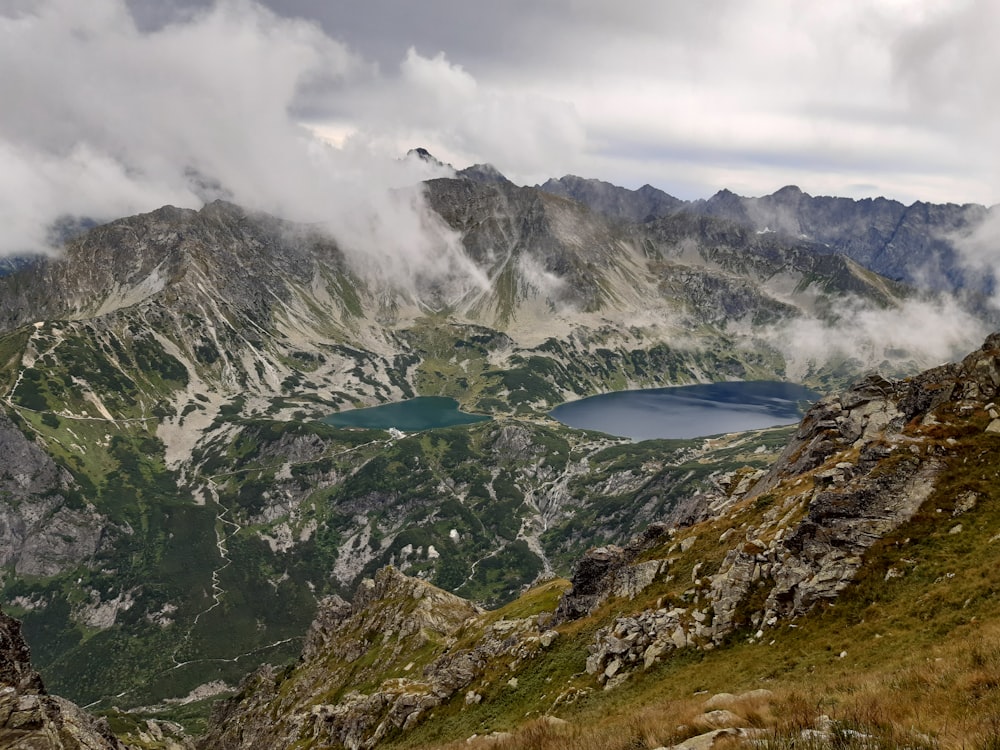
x=213 y=237
x=175 y=506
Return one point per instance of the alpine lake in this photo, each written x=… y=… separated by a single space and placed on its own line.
x=679 y=412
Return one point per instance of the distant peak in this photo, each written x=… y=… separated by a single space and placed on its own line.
x=725 y=194
x=482 y=173
x=218 y=207
x=424 y=155
x=789 y=191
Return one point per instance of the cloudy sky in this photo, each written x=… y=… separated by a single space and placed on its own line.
x=116 y=106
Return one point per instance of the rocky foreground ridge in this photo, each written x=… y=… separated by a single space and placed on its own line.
x=860 y=467
x=30 y=718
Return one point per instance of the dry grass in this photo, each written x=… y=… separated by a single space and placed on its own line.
x=646 y=727
x=792 y=720
x=944 y=698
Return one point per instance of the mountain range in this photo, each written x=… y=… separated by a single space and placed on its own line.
x=175 y=510
x=920 y=244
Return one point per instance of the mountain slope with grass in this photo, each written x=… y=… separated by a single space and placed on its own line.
x=848 y=598
x=175 y=507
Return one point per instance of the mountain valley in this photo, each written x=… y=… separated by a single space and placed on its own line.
x=175 y=512
x=809 y=591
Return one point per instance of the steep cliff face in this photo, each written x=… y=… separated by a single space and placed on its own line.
x=45 y=525
x=919 y=243
x=30 y=719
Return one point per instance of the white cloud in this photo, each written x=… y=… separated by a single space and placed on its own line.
x=693 y=97
x=437 y=104
x=102 y=120
x=926 y=331
x=781 y=93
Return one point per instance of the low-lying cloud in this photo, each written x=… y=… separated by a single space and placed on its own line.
x=104 y=118
x=920 y=332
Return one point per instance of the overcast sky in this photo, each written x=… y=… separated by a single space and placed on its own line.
x=112 y=106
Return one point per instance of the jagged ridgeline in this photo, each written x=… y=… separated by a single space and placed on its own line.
x=915 y=243
x=173 y=506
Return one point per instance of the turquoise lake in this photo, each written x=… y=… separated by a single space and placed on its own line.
x=688 y=411
x=413 y=415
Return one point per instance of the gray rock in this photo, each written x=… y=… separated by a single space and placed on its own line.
x=703 y=741
x=29 y=717
x=720 y=700
x=719 y=718
x=39 y=534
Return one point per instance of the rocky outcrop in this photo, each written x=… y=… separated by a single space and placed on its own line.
x=30 y=719
x=643 y=639
x=374 y=668
x=859 y=467
x=872 y=462
x=382 y=631
x=611 y=571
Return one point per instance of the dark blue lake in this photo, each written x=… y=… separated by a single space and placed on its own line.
x=414 y=415
x=688 y=411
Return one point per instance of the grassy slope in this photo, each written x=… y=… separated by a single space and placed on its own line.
x=912 y=658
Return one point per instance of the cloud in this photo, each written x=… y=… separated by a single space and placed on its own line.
x=394 y=239
x=690 y=97
x=436 y=103
x=103 y=120
x=106 y=116
x=124 y=120
x=947 y=63
x=925 y=332
x=537 y=281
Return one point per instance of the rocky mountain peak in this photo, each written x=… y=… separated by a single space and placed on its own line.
x=396 y=605
x=611 y=200
x=423 y=154
x=397 y=616
x=789 y=193
x=482 y=173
